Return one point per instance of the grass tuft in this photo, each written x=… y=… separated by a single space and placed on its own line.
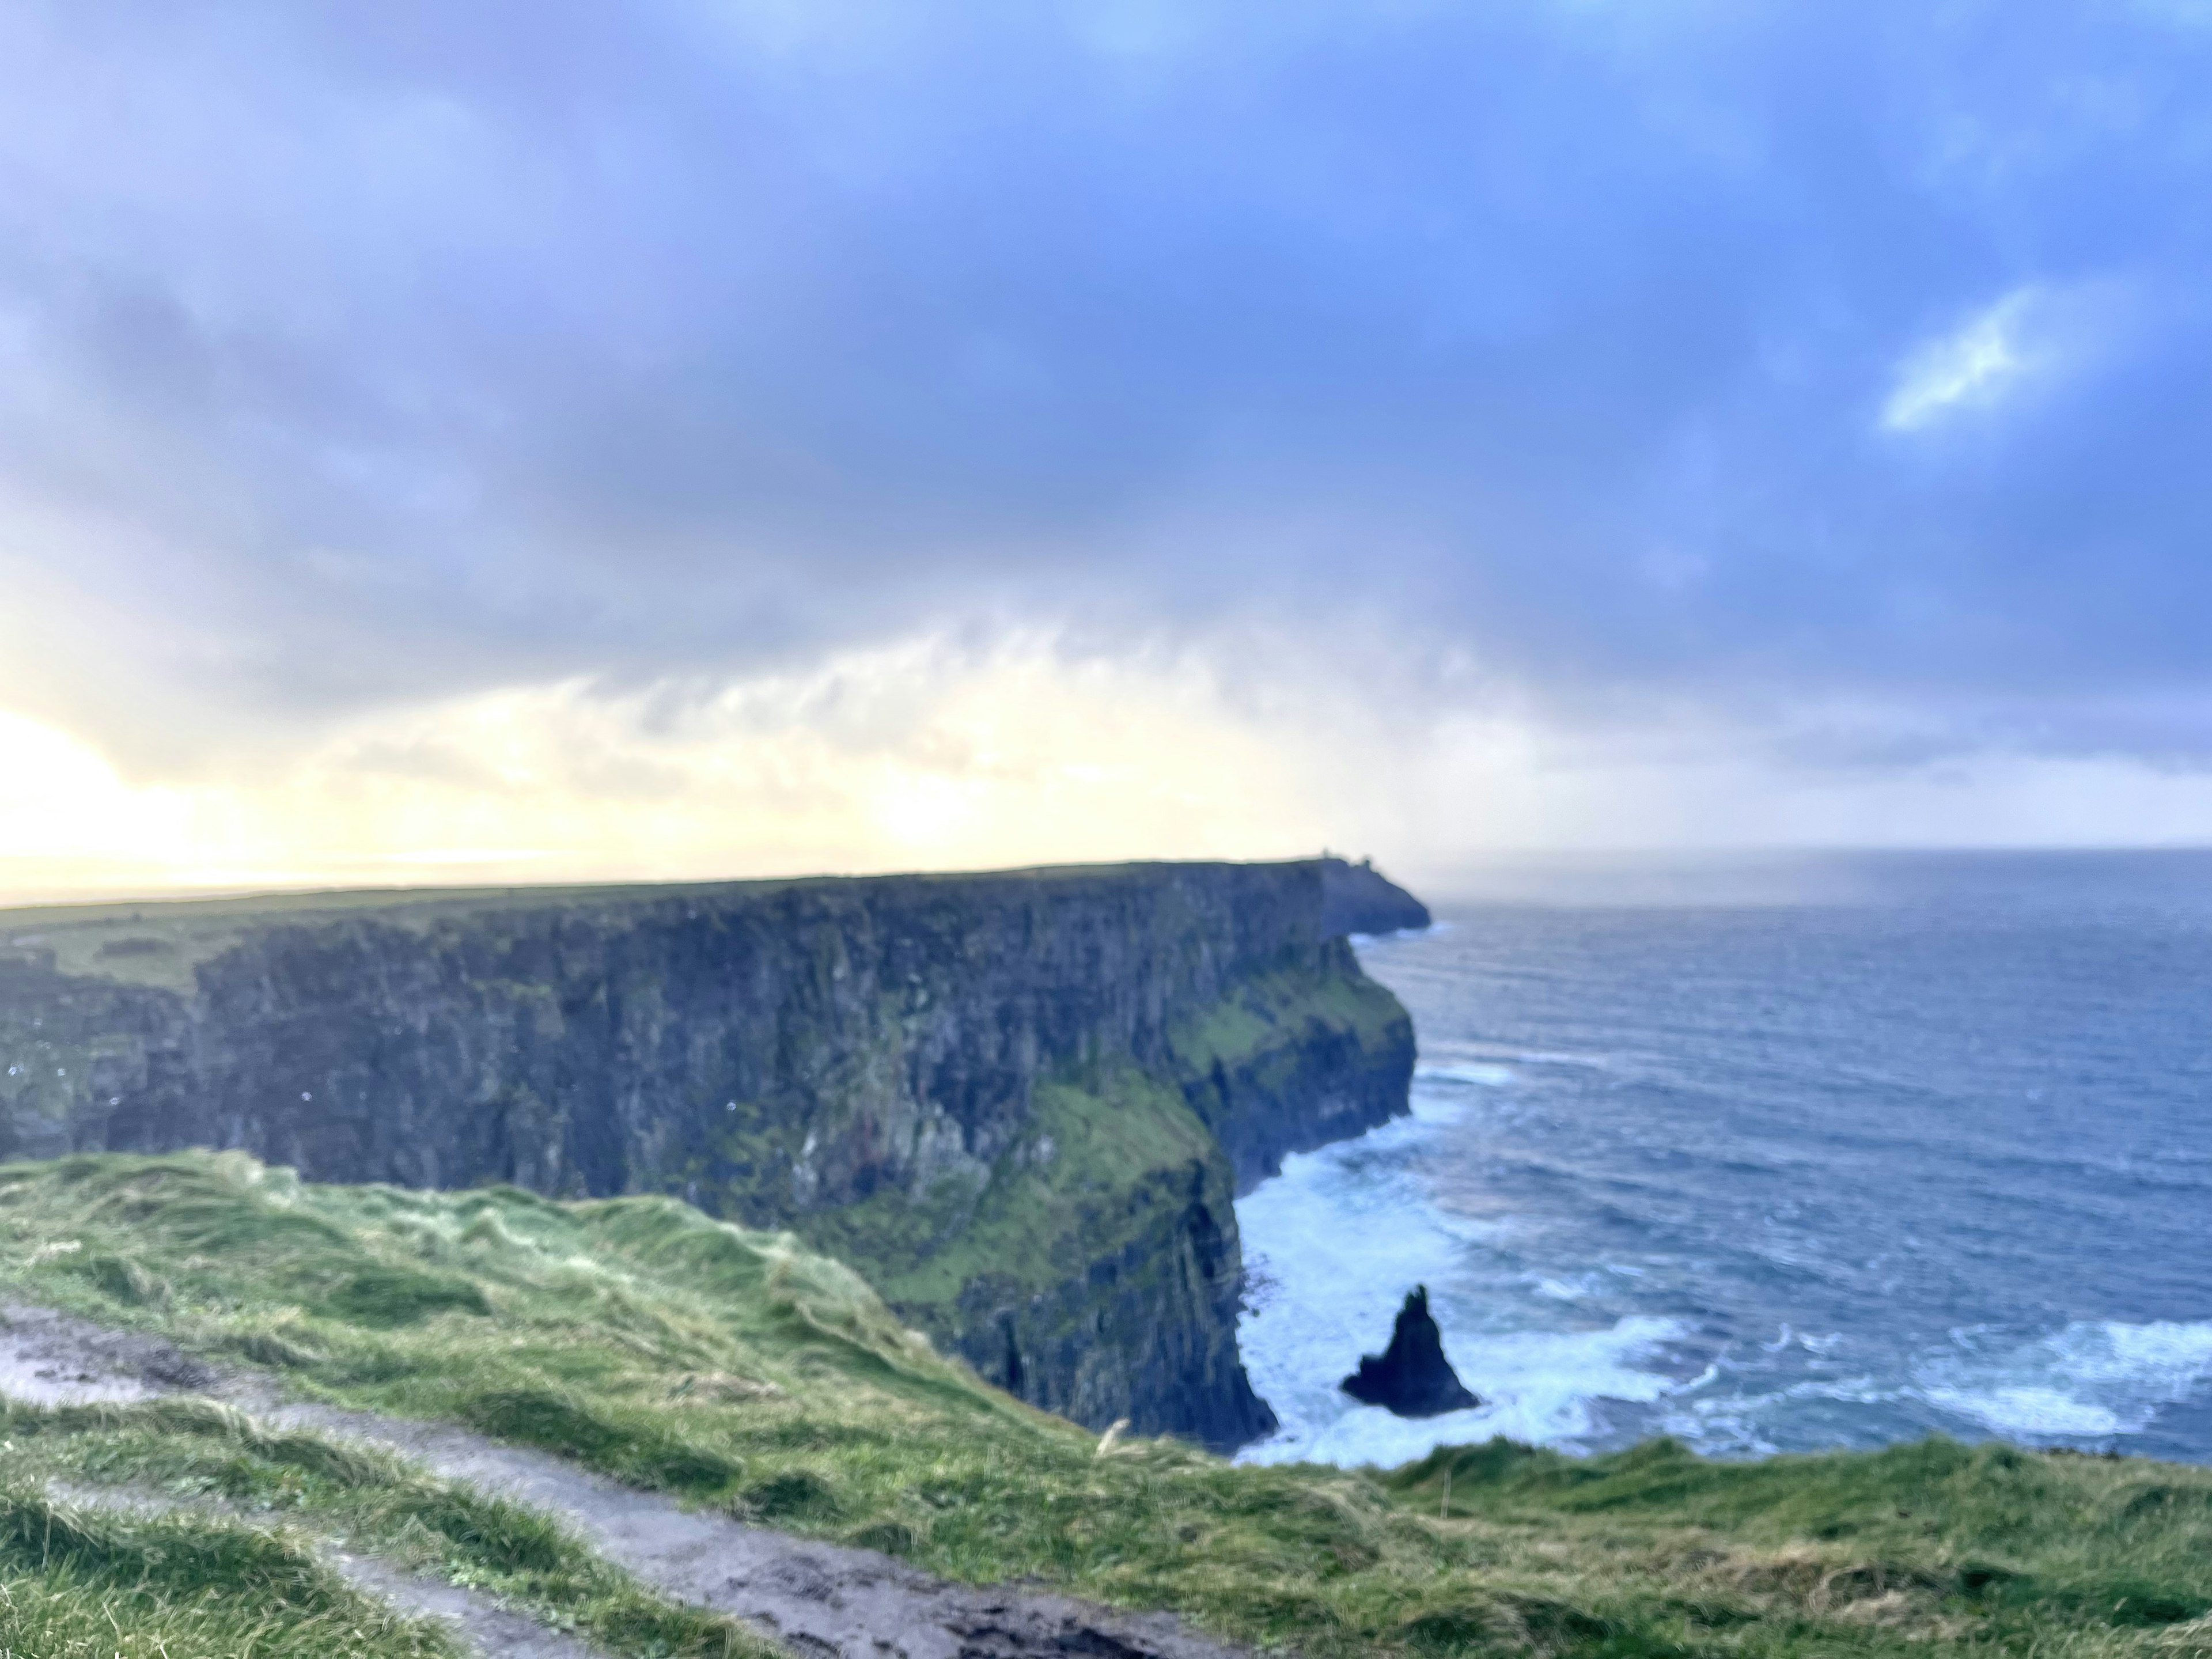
x=91 y=1583
x=643 y=1453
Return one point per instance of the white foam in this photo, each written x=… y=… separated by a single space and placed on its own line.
x=2093 y=1379
x=1341 y=1234
x=1362 y=941
x=1728 y=1422
x=1485 y=1074
x=2169 y=1357
x=1576 y=1287
x=1432 y=930
x=1452 y=1055
x=1536 y=1386
x=2028 y=1413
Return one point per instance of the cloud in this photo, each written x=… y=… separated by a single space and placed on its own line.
x=925 y=753
x=1974 y=366
x=936 y=754
x=1555 y=359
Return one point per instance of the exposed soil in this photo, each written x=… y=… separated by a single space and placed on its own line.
x=51 y=1359
x=818 y=1598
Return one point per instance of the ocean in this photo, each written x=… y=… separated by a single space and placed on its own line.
x=1775 y=1155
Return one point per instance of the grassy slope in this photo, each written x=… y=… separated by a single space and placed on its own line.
x=739 y=1370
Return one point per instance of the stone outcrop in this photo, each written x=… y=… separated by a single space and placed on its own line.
x=1411 y=1377
x=1020 y=1102
x=1357 y=898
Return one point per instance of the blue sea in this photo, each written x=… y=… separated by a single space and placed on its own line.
x=1775 y=1155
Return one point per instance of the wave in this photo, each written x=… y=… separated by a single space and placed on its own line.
x=1541 y=1387
x=1343 y=1233
x=1505 y=1055
x=1360 y=941
x=1716 y=1418
x=1487 y=1074
x=2092 y=1380
x=1687 y=1118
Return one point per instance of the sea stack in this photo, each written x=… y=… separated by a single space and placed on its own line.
x=1411 y=1377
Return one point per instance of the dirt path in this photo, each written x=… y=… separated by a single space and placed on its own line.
x=488 y=1628
x=49 y=1360
x=819 y=1598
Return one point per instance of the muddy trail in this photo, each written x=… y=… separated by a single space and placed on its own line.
x=817 y=1599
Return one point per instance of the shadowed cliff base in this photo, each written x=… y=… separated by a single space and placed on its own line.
x=1023 y=1101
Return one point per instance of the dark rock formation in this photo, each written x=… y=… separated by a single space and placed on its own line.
x=1356 y=898
x=1020 y=1102
x=1411 y=1377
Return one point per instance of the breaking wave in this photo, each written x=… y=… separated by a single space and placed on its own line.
x=1769 y=1180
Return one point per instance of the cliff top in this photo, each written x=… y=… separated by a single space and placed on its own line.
x=288 y=904
x=1357 y=898
x=159 y=942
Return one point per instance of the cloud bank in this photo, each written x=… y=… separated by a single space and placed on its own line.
x=1814 y=388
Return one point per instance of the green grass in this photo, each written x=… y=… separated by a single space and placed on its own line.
x=89 y=1584
x=738 y=1369
x=1269 y=1014
x=253 y=1497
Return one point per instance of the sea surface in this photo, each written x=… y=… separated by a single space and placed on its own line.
x=1774 y=1156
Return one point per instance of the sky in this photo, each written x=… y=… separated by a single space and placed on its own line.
x=690 y=439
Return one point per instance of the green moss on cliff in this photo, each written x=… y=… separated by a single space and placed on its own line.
x=1270 y=1018
x=1103 y=1238
x=1312 y=1052
x=1076 y=1187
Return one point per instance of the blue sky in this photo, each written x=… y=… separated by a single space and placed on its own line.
x=1728 y=399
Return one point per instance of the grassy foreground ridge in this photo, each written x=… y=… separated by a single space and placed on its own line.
x=740 y=1370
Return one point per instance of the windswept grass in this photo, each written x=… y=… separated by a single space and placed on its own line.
x=109 y=1586
x=737 y=1370
x=230 y=1480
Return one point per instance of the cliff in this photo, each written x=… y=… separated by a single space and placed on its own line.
x=1357 y=898
x=1020 y=1102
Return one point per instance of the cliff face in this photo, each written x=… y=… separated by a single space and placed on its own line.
x=1020 y=1102
x=1357 y=898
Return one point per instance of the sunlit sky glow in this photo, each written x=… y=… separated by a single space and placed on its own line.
x=687 y=439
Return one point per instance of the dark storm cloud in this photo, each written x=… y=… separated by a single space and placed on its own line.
x=1738 y=350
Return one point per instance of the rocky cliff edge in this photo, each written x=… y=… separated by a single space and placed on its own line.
x=1020 y=1102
